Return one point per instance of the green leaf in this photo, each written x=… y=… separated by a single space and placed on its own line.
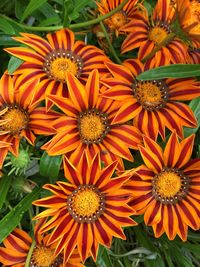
x=195 y=106
x=6 y=27
x=171 y=71
x=50 y=166
x=32 y=6
x=49 y=12
x=20 y=6
x=12 y=219
x=77 y=9
x=103 y=258
x=13 y=64
x=4 y=187
x=6 y=40
x=68 y=9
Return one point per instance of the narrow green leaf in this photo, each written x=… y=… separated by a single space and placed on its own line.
x=171 y=71
x=103 y=258
x=12 y=219
x=50 y=166
x=6 y=40
x=195 y=106
x=13 y=64
x=80 y=4
x=6 y=27
x=32 y=6
x=4 y=187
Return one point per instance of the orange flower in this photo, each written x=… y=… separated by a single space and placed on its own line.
x=88 y=211
x=167 y=189
x=189 y=18
x=51 y=60
x=20 y=115
x=18 y=244
x=88 y=125
x=121 y=17
x=153 y=104
x=148 y=34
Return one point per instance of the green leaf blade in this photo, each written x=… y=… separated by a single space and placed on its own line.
x=4 y=187
x=12 y=219
x=32 y=6
x=50 y=166
x=171 y=71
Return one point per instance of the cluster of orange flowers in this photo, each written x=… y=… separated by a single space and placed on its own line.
x=103 y=113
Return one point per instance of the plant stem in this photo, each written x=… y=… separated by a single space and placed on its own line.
x=168 y=39
x=72 y=26
x=30 y=211
x=28 y=259
x=112 y=50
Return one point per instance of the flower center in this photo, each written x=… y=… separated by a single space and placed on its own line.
x=152 y=95
x=86 y=204
x=44 y=257
x=159 y=32
x=170 y=185
x=118 y=19
x=59 y=62
x=93 y=126
x=13 y=119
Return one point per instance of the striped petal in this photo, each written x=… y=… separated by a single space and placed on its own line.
x=92 y=88
x=77 y=92
x=172 y=151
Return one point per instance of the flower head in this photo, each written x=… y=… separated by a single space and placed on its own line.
x=20 y=115
x=120 y=18
x=18 y=243
x=166 y=189
x=189 y=19
x=88 y=125
x=50 y=60
x=155 y=33
x=88 y=210
x=153 y=105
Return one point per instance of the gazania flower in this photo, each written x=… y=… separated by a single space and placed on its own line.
x=153 y=104
x=121 y=17
x=155 y=33
x=88 y=125
x=189 y=18
x=51 y=59
x=88 y=211
x=19 y=115
x=167 y=189
x=18 y=244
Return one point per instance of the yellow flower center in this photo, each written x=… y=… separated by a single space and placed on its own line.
x=93 y=126
x=60 y=66
x=13 y=119
x=118 y=20
x=151 y=94
x=42 y=257
x=157 y=34
x=60 y=62
x=170 y=185
x=85 y=204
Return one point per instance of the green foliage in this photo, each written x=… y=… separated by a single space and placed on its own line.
x=50 y=166
x=32 y=6
x=5 y=182
x=171 y=71
x=12 y=219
